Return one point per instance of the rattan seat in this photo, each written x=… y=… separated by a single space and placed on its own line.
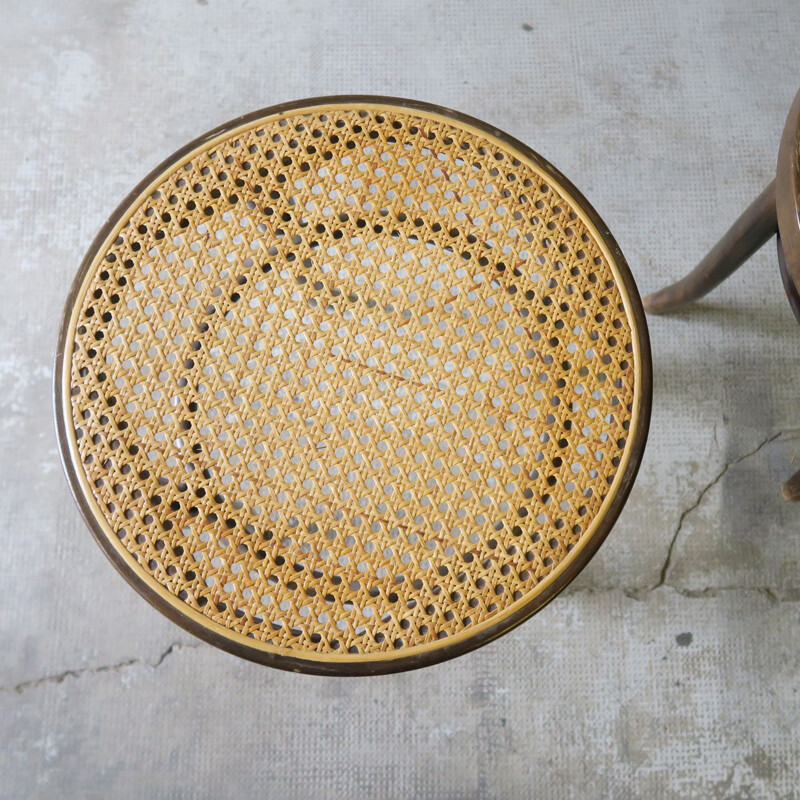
x=352 y=385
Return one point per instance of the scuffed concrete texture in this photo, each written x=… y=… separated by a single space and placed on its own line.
x=670 y=667
x=624 y=698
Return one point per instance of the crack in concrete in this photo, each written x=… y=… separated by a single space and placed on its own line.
x=25 y=686
x=641 y=592
x=772 y=594
x=662 y=581
x=634 y=593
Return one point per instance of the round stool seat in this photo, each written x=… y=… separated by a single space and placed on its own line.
x=352 y=385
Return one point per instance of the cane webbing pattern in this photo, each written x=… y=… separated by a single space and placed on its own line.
x=350 y=381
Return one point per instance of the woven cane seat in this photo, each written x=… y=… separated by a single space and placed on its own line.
x=353 y=385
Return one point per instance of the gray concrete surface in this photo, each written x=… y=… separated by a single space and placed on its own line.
x=670 y=668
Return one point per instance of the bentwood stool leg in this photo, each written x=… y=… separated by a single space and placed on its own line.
x=775 y=210
x=754 y=228
x=791 y=489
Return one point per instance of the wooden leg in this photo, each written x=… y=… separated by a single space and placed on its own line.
x=757 y=225
x=791 y=489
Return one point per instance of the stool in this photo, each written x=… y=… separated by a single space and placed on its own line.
x=352 y=385
x=775 y=210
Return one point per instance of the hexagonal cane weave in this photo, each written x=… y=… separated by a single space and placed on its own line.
x=352 y=385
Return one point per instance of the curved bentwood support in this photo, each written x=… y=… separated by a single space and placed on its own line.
x=754 y=228
x=774 y=211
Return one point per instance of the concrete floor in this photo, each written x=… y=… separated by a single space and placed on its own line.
x=671 y=667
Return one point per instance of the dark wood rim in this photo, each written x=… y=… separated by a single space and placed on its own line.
x=789 y=286
x=446 y=651
x=787 y=191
